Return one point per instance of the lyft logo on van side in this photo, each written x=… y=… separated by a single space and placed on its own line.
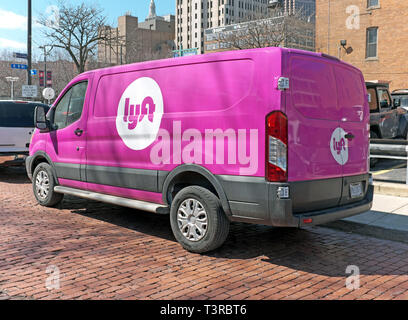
x=135 y=115
x=140 y=112
x=339 y=146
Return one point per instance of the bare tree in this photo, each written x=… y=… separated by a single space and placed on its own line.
x=75 y=30
x=271 y=29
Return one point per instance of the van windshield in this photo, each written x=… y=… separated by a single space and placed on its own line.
x=18 y=115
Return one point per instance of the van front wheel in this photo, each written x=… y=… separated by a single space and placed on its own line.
x=43 y=186
x=198 y=220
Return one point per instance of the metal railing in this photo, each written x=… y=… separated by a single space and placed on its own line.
x=389 y=149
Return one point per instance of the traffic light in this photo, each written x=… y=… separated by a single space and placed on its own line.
x=49 y=78
x=41 y=77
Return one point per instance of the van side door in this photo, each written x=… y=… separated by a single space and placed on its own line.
x=67 y=141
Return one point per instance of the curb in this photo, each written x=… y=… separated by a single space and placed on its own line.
x=391 y=189
x=368 y=230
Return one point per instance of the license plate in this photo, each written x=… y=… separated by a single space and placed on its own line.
x=356 y=190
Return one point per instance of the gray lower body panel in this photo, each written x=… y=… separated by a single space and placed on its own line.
x=254 y=200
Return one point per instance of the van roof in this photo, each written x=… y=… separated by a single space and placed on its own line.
x=213 y=56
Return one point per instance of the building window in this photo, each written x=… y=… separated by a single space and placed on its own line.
x=372 y=42
x=373 y=3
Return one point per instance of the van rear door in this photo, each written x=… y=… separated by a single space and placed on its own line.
x=355 y=116
x=355 y=124
x=314 y=117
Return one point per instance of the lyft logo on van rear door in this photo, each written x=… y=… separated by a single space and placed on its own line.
x=339 y=146
x=140 y=112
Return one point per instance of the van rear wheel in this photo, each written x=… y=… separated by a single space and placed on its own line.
x=43 y=186
x=198 y=221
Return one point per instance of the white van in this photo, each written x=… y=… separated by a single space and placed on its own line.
x=16 y=126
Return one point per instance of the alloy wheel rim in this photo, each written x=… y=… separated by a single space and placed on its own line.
x=192 y=220
x=42 y=184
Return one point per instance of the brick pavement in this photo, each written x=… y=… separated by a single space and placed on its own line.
x=107 y=252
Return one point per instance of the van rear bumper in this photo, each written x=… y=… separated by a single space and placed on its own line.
x=328 y=215
x=259 y=202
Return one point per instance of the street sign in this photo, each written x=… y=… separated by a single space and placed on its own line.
x=30 y=91
x=20 y=55
x=19 y=66
x=185 y=52
x=33 y=72
x=48 y=93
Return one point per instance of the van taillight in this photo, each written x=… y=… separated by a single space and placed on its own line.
x=277 y=147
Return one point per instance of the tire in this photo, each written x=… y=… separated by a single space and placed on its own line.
x=373 y=162
x=186 y=209
x=43 y=177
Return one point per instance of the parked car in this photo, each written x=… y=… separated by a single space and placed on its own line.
x=16 y=126
x=387 y=119
x=268 y=136
x=401 y=96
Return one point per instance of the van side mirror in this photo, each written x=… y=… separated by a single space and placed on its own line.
x=397 y=103
x=40 y=119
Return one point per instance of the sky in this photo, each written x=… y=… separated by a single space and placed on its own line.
x=13 y=17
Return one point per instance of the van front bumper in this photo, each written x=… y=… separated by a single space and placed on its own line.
x=259 y=202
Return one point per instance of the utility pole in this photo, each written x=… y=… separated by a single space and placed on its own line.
x=29 y=43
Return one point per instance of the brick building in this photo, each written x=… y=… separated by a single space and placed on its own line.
x=374 y=29
x=134 y=41
x=63 y=71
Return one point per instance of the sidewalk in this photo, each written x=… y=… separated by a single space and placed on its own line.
x=388 y=219
x=388 y=212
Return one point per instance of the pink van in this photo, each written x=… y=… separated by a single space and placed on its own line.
x=268 y=136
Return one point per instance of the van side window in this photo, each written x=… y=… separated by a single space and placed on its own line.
x=373 y=101
x=77 y=102
x=69 y=108
x=61 y=111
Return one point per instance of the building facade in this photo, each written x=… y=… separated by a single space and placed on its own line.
x=372 y=31
x=278 y=31
x=134 y=41
x=194 y=16
x=290 y=23
x=307 y=7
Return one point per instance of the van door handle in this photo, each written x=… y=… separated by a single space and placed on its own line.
x=78 y=132
x=349 y=136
